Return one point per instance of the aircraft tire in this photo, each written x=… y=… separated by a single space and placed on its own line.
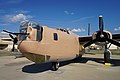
x=107 y=56
x=55 y=66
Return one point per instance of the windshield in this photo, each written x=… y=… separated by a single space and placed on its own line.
x=39 y=30
x=23 y=29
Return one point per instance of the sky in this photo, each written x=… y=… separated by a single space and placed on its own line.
x=69 y=14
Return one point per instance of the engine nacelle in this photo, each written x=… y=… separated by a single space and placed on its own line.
x=101 y=38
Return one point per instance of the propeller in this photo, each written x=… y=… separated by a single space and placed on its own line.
x=90 y=42
x=15 y=39
x=101 y=36
x=104 y=37
x=101 y=25
x=113 y=42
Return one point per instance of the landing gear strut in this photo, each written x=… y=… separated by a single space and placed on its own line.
x=107 y=54
x=55 y=66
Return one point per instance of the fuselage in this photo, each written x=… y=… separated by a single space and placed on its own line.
x=49 y=45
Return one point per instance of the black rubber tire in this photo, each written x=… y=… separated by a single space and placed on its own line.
x=107 y=54
x=55 y=66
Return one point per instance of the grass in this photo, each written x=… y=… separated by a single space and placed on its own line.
x=7 y=53
x=114 y=52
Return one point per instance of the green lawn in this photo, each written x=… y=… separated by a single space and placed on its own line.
x=7 y=53
x=114 y=52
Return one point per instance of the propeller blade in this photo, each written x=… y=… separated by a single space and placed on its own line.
x=101 y=25
x=15 y=40
x=11 y=36
x=90 y=42
x=113 y=42
x=13 y=48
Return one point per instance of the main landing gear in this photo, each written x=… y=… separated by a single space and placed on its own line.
x=107 y=54
x=55 y=66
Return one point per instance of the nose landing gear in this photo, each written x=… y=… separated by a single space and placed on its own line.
x=55 y=66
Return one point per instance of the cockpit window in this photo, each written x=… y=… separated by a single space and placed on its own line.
x=23 y=29
x=35 y=26
x=39 y=34
x=39 y=30
x=24 y=26
x=55 y=36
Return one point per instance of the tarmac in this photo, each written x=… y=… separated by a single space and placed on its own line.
x=89 y=67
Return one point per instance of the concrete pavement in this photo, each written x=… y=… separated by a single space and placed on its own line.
x=90 y=67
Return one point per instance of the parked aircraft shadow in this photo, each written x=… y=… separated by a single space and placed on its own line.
x=83 y=60
x=38 y=68
x=114 y=62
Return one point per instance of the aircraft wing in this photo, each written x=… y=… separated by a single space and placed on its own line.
x=116 y=37
x=85 y=39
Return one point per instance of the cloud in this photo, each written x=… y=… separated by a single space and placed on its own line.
x=22 y=11
x=3 y=34
x=72 y=13
x=78 y=30
x=83 y=18
x=66 y=12
x=117 y=29
x=7 y=19
x=18 y=17
x=69 y=13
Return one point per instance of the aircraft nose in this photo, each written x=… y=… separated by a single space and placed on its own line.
x=27 y=46
x=29 y=50
x=21 y=46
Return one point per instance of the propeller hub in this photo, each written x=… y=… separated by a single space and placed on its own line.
x=102 y=38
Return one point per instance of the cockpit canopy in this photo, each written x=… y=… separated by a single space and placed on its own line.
x=24 y=26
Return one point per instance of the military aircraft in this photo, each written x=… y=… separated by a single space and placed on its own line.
x=43 y=44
